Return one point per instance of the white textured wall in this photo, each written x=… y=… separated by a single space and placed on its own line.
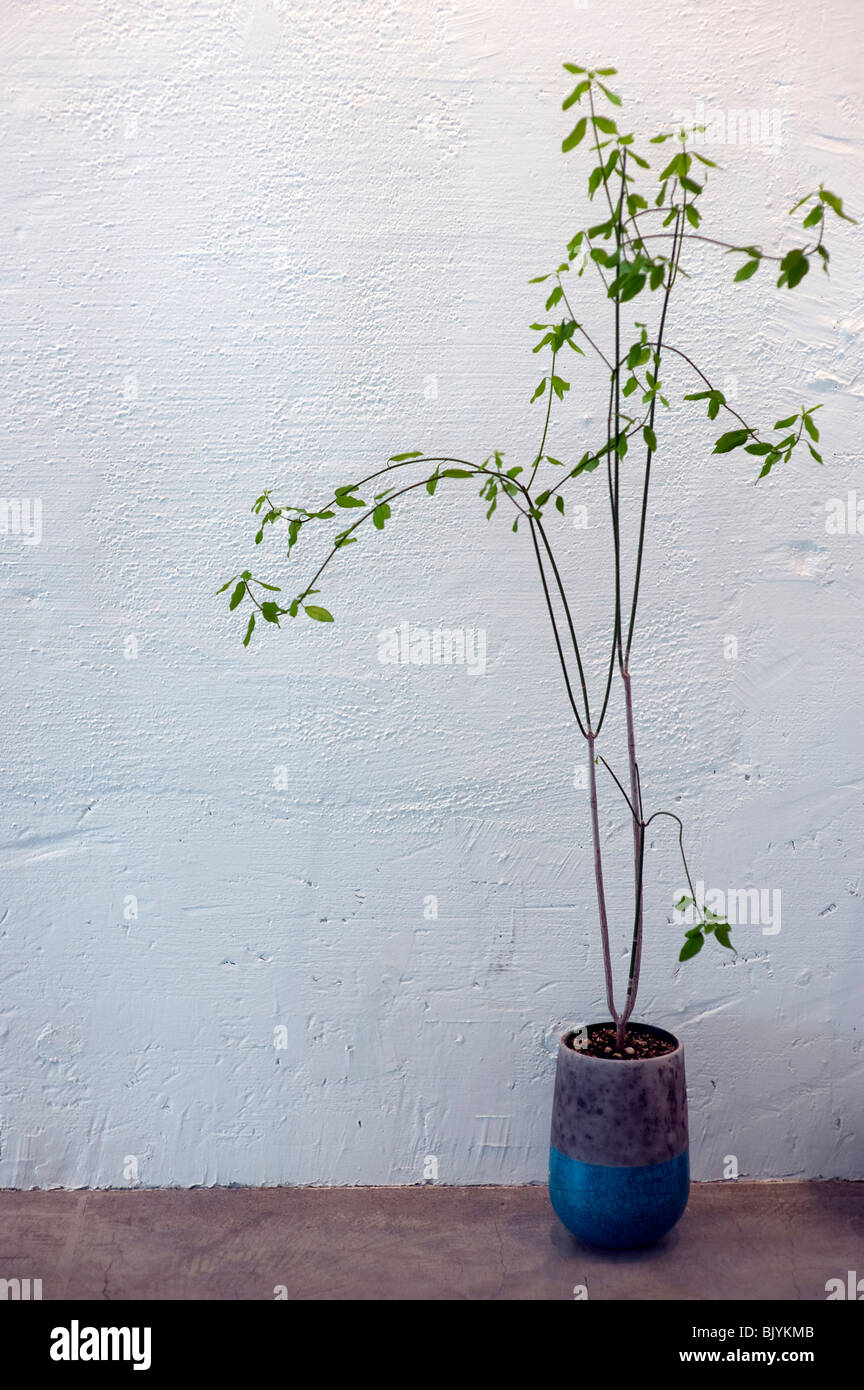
x=238 y=238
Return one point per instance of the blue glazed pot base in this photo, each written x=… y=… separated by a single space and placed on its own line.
x=620 y=1208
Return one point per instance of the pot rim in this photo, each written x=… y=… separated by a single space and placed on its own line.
x=677 y=1051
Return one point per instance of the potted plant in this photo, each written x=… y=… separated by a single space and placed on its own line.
x=619 y=1164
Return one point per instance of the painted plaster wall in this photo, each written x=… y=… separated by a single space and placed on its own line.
x=269 y=244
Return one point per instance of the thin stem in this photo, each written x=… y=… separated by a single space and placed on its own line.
x=638 y=855
x=598 y=878
x=582 y=729
x=599 y=152
x=633 y=811
x=582 y=329
x=569 y=616
x=421 y=482
x=673 y=266
x=546 y=425
x=697 y=236
x=624 y=667
x=680 y=823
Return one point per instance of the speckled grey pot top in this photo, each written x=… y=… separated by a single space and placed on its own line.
x=620 y=1113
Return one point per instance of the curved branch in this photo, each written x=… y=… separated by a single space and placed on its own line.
x=582 y=727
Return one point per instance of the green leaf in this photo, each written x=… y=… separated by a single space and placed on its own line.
x=576 y=95
x=457 y=473
x=784 y=424
x=400 y=458
x=575 y=136
x=559 y=503
x=683 y=903
x=835 y=203
x=605 y=124
x=540 y=389
x=225 y=586
x=554 y=297
x=270 y=612
x=632 y=286
x=810 y=427
x=733 y=439
x=237 y=596
x=692 y=946
x=559 y=386
x=793 y=267
x=721 y=933
x=249 y=630
x=380 y=515
x=650 y=438
x=431 y=484
x=348 y=501
x=769 y=463
x=747 y=270
x=813 y=216
x=319 y=614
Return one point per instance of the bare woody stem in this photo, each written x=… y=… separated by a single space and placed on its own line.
x=598 y=878
x=624 y=668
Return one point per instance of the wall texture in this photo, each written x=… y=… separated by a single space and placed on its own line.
x=294 y=915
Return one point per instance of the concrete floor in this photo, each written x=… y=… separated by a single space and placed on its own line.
x=778 y=1240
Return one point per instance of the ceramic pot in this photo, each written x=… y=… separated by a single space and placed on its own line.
x=619 y=1172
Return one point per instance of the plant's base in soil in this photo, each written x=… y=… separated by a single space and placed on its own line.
x=639 y=1043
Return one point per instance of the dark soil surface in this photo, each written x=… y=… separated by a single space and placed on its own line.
x=638 y=1043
